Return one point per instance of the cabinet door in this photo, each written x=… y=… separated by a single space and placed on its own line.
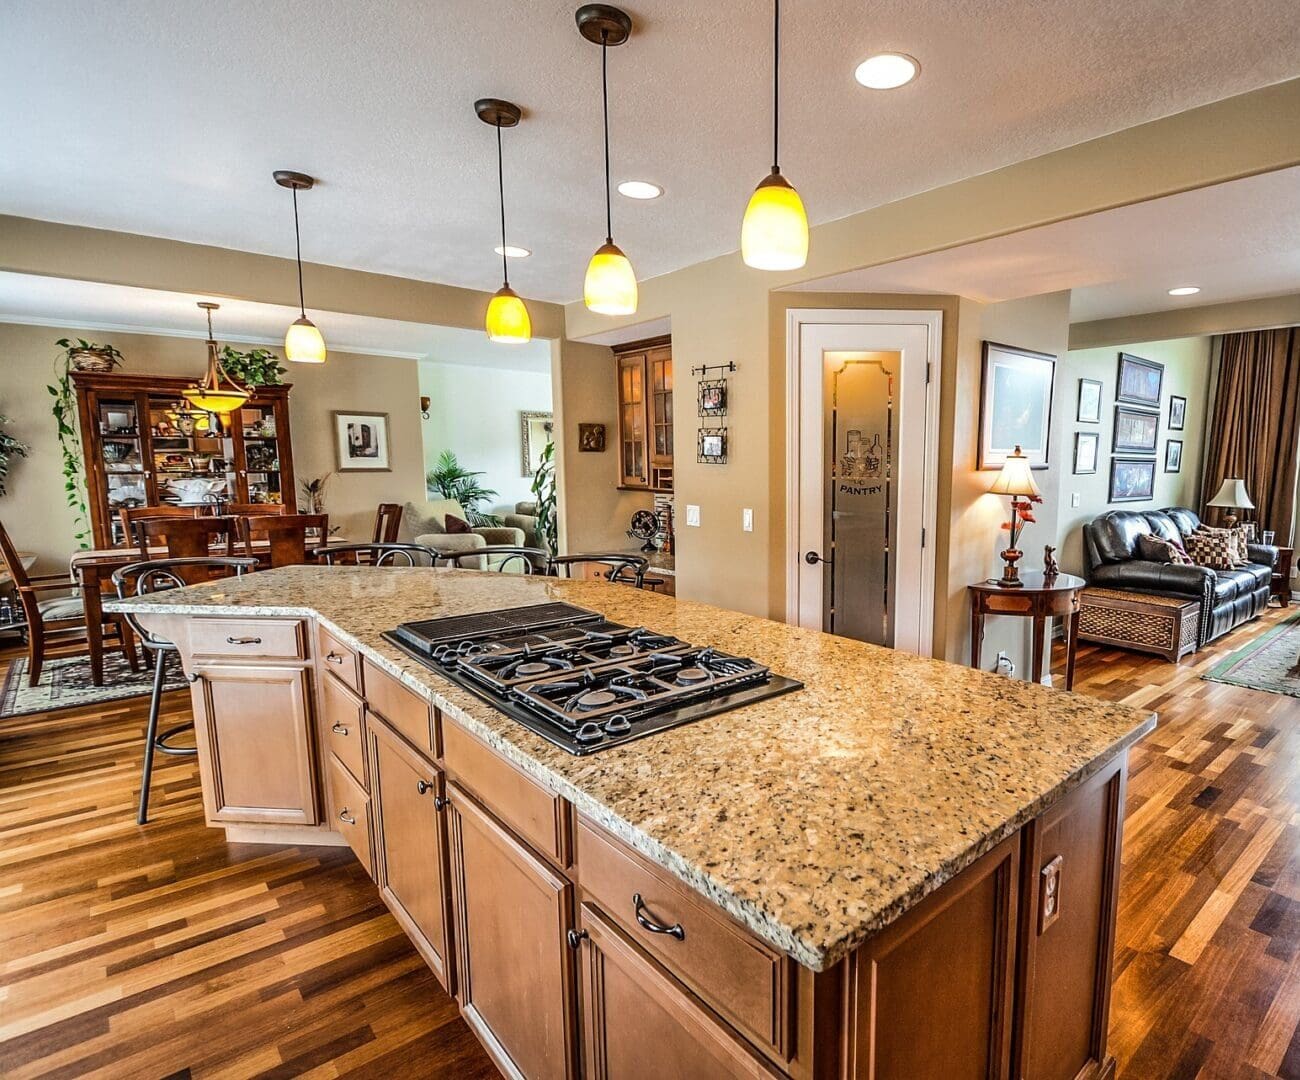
x=254 y=733
x=514 y=966
x=406 y=792
x=659 y=372
x=632 y=465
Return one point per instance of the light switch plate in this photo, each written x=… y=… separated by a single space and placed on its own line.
x=1074 y=498
x=692 y=514
x=747 y=519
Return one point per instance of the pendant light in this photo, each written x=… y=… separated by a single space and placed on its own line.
x=303 y=343
x=774 y=234
x=610 y=285
x=218 y=392
x=507 y=316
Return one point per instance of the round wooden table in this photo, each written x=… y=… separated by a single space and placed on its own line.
x=1038 y=598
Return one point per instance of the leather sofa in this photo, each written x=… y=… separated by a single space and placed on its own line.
x=1228 y=597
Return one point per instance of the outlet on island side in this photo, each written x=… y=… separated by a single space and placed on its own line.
x=1005 y=665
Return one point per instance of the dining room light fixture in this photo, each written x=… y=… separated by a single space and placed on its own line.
x=303 y=343
x=218 y=392
x=1185 y=290
x=507 y=315
x=639 y=189
x=887 y=71
x=774 y=233
x=610 y=284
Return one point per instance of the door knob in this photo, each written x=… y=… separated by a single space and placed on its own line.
x=812 y=559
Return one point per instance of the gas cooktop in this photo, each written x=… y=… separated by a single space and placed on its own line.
x=580 y=681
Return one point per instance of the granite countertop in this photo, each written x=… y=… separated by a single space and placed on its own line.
x=815 y=818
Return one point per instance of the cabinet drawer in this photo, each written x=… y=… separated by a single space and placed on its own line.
x=255 y=639
x=350 y=812
x=537 y=815
x=405 y=711
x=341 y=720
x=744 y=979
x=338 y=659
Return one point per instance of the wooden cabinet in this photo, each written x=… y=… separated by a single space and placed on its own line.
x=645 y=415
x=513 y=962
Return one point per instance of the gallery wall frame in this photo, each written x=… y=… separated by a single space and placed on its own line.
x=1139 y=381
x=1137 y=431
x=1132 y=479
x=1089 y=404
x=1016 y=387
x=1087 y=446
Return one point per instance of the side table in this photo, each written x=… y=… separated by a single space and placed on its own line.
x=1039 y=598
x=1280 y=586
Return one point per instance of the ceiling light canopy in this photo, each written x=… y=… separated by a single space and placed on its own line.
x=887 y=71
x=1185 y=290
x=303 y=343
x=640 y=189
x=512 y=252
x=218 y=392
x=610 y=285
x=774 y=233
x=507 y=319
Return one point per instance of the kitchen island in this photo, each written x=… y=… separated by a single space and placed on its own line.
x=906 y=868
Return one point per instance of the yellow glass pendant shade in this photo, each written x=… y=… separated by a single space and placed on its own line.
x=303 y=343
x=217 y=401
x=610 y=285
x=774 y=234
x=507 y=318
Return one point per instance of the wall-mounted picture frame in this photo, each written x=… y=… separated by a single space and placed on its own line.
x=1139 y=381
x=712 y=397
x=711 y=446
x=1136 y=431
x=1015 y=405
x=1089 y=411
x=1132 y=479
x=1177 y=412
x=536 y=430
x=591 y=438
x=361 y=442
x=1086 y=445
x=1173 y=455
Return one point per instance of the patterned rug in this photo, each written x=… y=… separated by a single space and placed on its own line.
x=1271 y=662
x=65 y=684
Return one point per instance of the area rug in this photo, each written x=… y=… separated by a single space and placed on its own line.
x=1271 y=662
x=65 y=684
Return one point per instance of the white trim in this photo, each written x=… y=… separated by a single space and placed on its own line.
x=795 y=320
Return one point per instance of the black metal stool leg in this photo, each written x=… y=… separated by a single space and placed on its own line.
x=151 y=734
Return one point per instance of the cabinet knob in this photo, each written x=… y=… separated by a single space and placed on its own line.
x=423 y=786
x=333 y=658
x=576 y=937
x=441 y=802
x=345 y=816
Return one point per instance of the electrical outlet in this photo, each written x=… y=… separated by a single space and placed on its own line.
x=1049 y=893
x=1074 y=498
x=1005 y=665
x=692 y=514
x=747 y=519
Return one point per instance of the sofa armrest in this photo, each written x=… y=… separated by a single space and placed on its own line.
x=1143 y=575
x=1264 y=554
x=498 y=535
x=451 y=543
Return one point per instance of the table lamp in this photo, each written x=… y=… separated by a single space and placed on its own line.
x=1015 y=480
x=1232 y=495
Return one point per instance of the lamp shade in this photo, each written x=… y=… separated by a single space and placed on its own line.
x=1015 y=477
x=507 y=318
x=610 y=285
x=774 y=234
x=1232 y=492
x=303 y=343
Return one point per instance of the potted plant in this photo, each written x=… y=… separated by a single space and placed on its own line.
x=256 y=367
x=83 y=355
x=9 y=448
x=449 y=480
x=543 y=489
x=78 y=355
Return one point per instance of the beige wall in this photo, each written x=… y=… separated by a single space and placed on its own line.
x=36 y=514
x=1229 y=318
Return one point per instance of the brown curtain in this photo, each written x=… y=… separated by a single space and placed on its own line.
x=1255 y=424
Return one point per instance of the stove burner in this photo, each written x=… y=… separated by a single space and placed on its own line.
x=533 y=667
x=692 y=676
x=595 y=699
x=622 y=650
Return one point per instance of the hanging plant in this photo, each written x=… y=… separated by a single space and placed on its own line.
x=64 y=410
x=83 y=355
x=543 y=489
x=9 y=448
x=257 y=367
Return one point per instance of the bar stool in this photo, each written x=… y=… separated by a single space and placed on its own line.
x=139 y=579
x=375 y=555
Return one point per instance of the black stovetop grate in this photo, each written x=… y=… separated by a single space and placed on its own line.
x=481 y=624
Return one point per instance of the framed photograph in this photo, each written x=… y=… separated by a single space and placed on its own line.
x=1177 y=412
x=1136 y=430
x=711 y=447
x=591 y=438
x=1089 y=401
x=1015 y=405
x=535 y=433
x=713 y=397
x=361 y=441
x=1132 y=479
x=1173 y=455
x=1085 y=452
x=1139 y=381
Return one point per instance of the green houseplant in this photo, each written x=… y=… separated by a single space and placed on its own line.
x=543 y=489
x=10 y=448
x=82 y=355
x=77 y=355
x=256 y=367
x=449 y=480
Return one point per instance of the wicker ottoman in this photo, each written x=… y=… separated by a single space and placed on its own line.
x=1164 y=625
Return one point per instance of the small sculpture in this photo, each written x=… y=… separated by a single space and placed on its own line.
x=1050 y=566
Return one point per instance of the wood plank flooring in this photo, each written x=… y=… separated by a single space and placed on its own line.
x=163 y=952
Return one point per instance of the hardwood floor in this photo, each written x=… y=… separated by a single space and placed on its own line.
x=162 y=951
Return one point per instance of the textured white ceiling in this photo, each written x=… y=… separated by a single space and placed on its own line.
x=1236 y=241
x=166 y=117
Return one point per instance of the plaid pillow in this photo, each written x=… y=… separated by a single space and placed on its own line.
x=1236 y=538
x=1213 y=548
x=1244 y=535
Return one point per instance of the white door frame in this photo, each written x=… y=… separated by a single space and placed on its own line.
x=795 y=320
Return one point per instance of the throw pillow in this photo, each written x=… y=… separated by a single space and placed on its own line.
x=1159 y=550
x=1243 y=537
x=455 y=525
x=1236 y=540
x=1212 y=549
x=417 y=521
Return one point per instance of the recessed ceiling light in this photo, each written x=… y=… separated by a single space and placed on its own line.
x=640 y=189
x=1185 y=290
x=887 y=71
x=512 y=252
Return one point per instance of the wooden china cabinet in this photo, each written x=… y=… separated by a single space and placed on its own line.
x=645 y=414
x=134 y=446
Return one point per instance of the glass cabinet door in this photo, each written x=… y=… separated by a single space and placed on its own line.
x=124 y=460
x=260 y=471
x=632 y=419
x=187 y=453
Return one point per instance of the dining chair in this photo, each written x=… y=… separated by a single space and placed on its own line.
x=187 y=538
x=502 y=558
x=286 y=536
x=54 y=621
x=254 y=509
x=140 y=579
x=376 y=555
x=388 y=519
x=129 y=515
x=618 y=567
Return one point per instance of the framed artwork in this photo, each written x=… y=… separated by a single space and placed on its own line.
x=1085 y=452
x=1139 y=381
x=1015 y=405
x=535 y=430
x=711 y=448
x=713 y=397
x=1173 y=455
x=1177 y=412
x=1089 y=401
x=591 y=438
x=1136 y=430
x=361 y=441
x=1132 y=479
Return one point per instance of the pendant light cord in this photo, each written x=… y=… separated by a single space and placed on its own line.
x=501 y=190
x=297 y=243
x=776 y=83
x=604 y=94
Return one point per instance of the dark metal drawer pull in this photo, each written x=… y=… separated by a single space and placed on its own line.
x=339 y=729
x=333 y=658
x=345 y=816
x=441 y=802
x=655 y=928
x=423 y=786
x=243 y=641
x=575 y=938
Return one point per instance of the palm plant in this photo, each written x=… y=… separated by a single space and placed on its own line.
x=543 y=489
x=449 y=480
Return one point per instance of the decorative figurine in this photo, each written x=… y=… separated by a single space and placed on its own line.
x=1050 y=566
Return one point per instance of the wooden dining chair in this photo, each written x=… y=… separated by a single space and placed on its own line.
x=187 y=538
x=615 y=566
x=286 y=537
x=56 y=622
x=388 y=519
x=129 y=515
